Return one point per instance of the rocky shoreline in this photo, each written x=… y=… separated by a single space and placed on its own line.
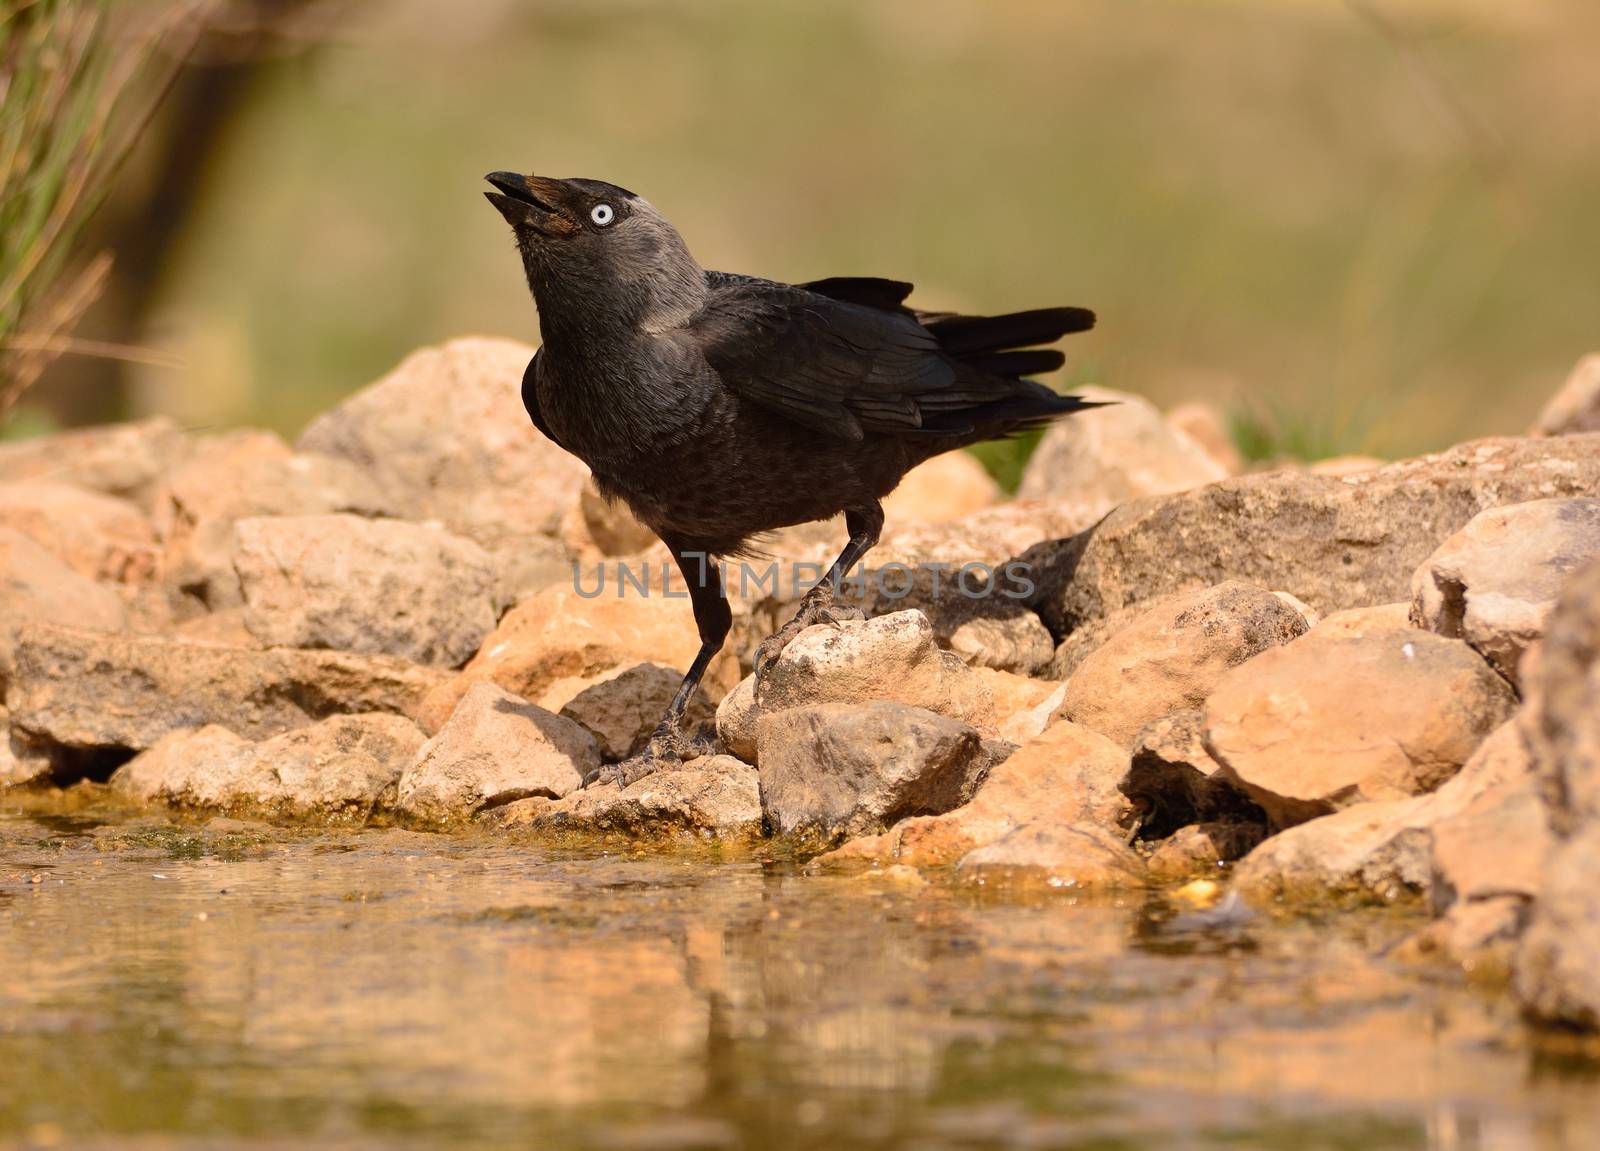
x=1353 y=680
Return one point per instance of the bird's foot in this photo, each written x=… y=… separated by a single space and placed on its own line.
x=668 y=748
x=819 y=606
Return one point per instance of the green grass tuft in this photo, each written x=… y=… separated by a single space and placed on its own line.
x=75 y=95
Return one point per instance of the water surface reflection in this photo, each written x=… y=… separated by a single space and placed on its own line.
x=169 y=982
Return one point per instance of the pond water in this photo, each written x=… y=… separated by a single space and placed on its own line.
x=217 y=983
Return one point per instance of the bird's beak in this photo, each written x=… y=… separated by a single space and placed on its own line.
x=535 y=202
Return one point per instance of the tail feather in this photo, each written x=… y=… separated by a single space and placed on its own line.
x=963 y=336
x=1020 y=412
x=1030 y=362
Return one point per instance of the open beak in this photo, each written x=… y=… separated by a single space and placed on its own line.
x=531 y=202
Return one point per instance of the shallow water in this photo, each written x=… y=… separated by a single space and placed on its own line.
x=227 y=984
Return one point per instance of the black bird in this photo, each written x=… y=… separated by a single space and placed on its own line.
x=720 y=406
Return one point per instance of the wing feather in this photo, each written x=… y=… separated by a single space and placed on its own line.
x=845 y=357
x=837 y=367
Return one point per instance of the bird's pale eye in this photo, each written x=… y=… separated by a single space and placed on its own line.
x=602 y=214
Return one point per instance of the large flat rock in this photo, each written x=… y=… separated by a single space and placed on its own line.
x=74 y=688
x=1334 y=542
x=342 y=766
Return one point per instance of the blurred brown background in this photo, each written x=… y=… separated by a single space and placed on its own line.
x=1360 y=225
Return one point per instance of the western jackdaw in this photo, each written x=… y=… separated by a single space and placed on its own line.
x=720 y=406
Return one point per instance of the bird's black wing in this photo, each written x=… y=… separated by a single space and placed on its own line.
x=846 y=357
x=999 y=345
x=836 y=367
x=868 y=291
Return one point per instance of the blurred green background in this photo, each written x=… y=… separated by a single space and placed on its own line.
x=1358 y=226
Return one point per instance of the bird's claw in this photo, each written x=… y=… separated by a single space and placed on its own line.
x=668 y=748
x=818 y=607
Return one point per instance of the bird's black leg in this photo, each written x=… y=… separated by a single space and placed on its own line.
x=712 y=616
x=864 y=524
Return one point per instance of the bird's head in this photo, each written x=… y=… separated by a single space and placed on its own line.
x=588 y=244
